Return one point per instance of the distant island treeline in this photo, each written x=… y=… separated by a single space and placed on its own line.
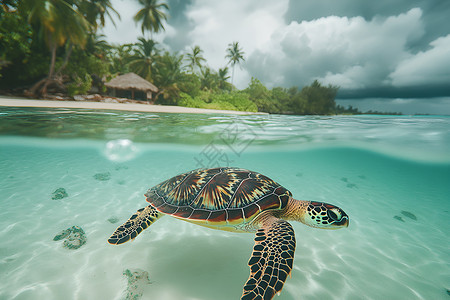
x=54 y=47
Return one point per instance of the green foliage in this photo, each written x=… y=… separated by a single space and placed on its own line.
x=80 y=71
x=239 y=100
x=282 y=100
x=97 y=45
x=80 y=85
x=15 y=36
x=223 y=77
x=151 y=15
x=33 y=67
x=56 y=21
x=142 y=61
x=199 y=102
x=188 y=101
x=257 y=90
x=266 y=105
x=168 y=77
x=349 y=110
x=195 y=59
x=320 y=99
x=190 y=84
x=299 y=106
x=82 y=62
x=119 y=57
x=15 y=45
x=314 y=99
x=209 y=80
x=220 y=105
x=95 y=11
x=225 y=101
x=261 y=97
x=213 y=81
x=235 y=55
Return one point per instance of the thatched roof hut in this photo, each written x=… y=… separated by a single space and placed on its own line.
x=132 y=82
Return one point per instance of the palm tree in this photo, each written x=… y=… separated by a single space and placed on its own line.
x=169 y=74
x=143 y=60
x=195 y=58
x=119 y=56
x=97 y=45
x=151 y=16
x=222 y=79
x=57 y=22
x=235 y=55
x=209 y=79
x=92 y=10
x=95 y=11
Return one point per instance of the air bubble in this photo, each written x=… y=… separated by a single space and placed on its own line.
x=120 y=150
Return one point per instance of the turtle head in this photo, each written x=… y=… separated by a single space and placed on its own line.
x=322 y=215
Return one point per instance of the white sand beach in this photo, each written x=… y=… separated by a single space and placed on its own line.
x=23 y=102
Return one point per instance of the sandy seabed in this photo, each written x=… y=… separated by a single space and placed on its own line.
x=376 y=257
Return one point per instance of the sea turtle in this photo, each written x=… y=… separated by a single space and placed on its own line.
x=238 y=200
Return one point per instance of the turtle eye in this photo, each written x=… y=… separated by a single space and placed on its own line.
x=334 y=214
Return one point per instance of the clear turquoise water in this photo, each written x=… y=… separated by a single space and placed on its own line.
x=374 y=167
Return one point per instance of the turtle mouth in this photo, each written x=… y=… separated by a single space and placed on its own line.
x=341 y=219
x=343 y=222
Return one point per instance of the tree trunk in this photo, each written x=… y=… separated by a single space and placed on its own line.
x=155 y=99
x=51 y=70
x=66 y=59
x=36 y=87
x=232 y=75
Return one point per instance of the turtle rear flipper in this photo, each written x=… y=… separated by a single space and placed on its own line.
x=142 y=219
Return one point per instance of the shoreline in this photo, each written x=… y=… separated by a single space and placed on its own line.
x=24 y=102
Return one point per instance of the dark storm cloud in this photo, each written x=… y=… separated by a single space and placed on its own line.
x=178 y=19
x=435 y=24
x=435 y=12
x=436 y=106
x=350 y=52
x=421 y=91
x=368 y=50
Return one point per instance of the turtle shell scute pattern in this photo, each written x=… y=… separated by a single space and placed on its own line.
x=217 y=195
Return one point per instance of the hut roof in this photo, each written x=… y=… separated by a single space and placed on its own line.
x=131 y=81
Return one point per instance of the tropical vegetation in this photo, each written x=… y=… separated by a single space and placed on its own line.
x=234 y=55
x=55 y=46
x=151 y=15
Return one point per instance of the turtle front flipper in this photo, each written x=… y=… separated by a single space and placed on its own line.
x=271 y=260
x=142 y=219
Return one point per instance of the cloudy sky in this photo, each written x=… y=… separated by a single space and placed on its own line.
x=384 y=55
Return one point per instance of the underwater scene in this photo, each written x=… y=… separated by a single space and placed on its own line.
x=69 y=178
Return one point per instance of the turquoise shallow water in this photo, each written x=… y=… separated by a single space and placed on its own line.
x=390 y=174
